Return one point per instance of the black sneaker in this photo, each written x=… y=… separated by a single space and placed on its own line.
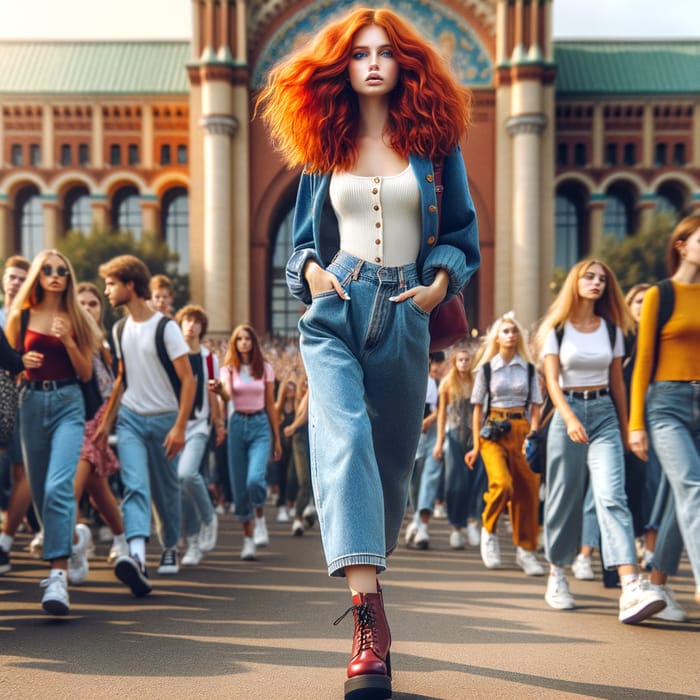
x=132 y=572
x=168 y=562
x=4 y=561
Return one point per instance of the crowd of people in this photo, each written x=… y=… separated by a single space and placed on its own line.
x=357 y=424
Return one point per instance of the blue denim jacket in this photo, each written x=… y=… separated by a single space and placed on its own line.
x=316 y=234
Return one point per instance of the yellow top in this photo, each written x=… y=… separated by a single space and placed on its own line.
x=679 y=349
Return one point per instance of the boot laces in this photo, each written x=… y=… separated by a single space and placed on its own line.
x=365 y=621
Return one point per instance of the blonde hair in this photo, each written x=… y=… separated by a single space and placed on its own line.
x=455 y=385
x=489 y=345
x=611 y=305
x=86 y=330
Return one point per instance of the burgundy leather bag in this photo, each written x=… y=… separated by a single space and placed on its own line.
x=448 y=321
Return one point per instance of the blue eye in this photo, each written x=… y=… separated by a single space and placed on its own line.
x=359 y=54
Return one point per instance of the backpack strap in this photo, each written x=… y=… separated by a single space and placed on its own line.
x=530 y=377
x=667 y=300
x=163 y=356
x=487 y=378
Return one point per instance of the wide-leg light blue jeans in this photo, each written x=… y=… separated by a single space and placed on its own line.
x=197 y=508
x=367 y=364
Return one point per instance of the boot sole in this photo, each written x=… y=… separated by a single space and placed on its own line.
x=368 y=688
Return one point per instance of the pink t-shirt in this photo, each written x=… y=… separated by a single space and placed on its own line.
x=247 y=393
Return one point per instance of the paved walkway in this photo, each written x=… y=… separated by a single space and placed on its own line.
x=263 y=630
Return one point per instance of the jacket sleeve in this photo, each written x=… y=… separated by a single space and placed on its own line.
x=457 y=247
x=10 y=359
x=303 y=239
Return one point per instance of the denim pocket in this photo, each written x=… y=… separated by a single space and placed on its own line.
x=324 y=295
x=421 y=311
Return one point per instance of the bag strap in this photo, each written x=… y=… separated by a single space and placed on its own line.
x=487 y=378
x=667 y=300
x=163 y=356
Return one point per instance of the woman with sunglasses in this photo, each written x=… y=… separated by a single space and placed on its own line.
x=46 y=317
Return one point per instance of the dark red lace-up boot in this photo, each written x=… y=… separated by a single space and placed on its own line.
x=369 y=670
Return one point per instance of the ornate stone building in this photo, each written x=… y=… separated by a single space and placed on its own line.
x=568 y=140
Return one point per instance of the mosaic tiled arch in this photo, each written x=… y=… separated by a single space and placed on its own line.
x=468 y=57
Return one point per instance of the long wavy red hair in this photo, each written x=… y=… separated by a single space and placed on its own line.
x=312 y=112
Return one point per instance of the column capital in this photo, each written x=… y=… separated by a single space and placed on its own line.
x=526 y=124
x=219 y=125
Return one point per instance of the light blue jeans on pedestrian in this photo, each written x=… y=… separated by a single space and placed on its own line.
x=52 y=425
x=146 y=472
x=569 y=466
x=367 y=365
x=430 y=470
x=197 y=508
x=249 y=448
x=590 y=535
x=464 y=487
x=673 y=411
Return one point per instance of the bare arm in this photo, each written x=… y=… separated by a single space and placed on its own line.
x=574 y=427
x=477 y=413
x=619 y=397
x=273 y=419
x=443 y=401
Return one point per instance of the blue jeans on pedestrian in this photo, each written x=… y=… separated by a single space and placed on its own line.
x=146 y=472
x=430 y=470
x=52 y=425
x=569 y=466
x=464 y=487
x=197 y=508
x=249 y=447
x=673 y=411
x=367 y=365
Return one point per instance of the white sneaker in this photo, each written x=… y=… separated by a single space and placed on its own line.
x=55 y=600
x=104 y=534
x=297 y=528
x=78 y=566
x=410 y=533
x=582 y=568
x=639 y=601
x=193 y=553
x=457 y=540
x=672 y=612
x=490 y=549
x=208 y=534
x=282 y=514
x=119 y=548
x=527 y=561
x=248 y=552
x=36 y=546
x=558 y=595
x=473 y=533
x=260 y=534
x=440 y=511
x=309 y=516
x=422 y=538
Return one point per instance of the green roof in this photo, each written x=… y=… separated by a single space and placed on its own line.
x=94 y=67
x=627 y=67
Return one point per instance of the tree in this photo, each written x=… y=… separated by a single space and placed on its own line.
x=640 y=257
x=88 y=252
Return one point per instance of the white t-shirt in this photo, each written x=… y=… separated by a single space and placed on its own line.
x=148 y=388
x=584 y=358
x=200 y=422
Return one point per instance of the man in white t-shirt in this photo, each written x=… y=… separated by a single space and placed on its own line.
x=151 y=419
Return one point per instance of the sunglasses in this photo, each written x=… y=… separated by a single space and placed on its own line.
x=61 y=271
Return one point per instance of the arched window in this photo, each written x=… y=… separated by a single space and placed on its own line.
x=126 y=211
x=618 y=213
x=670 y=200
x=284 y=308
x=176 y=225
x=29 y=221
x=77 y=212
x=567 y=245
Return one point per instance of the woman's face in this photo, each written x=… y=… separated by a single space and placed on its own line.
x=591 y=285
x=462 y=362
x=244 y=343
x=636 y=304
x=53 y=276
x=91 y=304
x=372 y=70
x=508 y=336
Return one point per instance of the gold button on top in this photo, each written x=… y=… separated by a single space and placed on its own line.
x=374 y=190
x=377 y=260
x=376 y=179
x=431 y=240
x=432 y=208
x=378 y=224
x=378 y=241
x=429 y=177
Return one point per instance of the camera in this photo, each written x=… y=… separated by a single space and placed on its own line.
x=494 y=429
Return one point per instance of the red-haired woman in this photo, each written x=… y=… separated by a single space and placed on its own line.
x=375 y=108
x=253 y=431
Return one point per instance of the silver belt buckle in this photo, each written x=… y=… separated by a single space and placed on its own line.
x=46 y=384
x=585 y=395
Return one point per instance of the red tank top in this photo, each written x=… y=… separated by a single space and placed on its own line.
x=57 y=364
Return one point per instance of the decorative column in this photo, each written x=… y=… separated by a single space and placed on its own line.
x=52 y=227
x=219 y=130
x=150 y=210
x=97 y=151
x=648 y=137
x=100 y=212
x=598 y=146
x=526 y=131
x=647 y=210
x=147 y=136
x=48 y=157
x=596 y=208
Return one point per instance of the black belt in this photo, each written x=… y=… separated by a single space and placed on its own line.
x=587 y=394
x=249 y=415
x=515 y=415
x=48 y=384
